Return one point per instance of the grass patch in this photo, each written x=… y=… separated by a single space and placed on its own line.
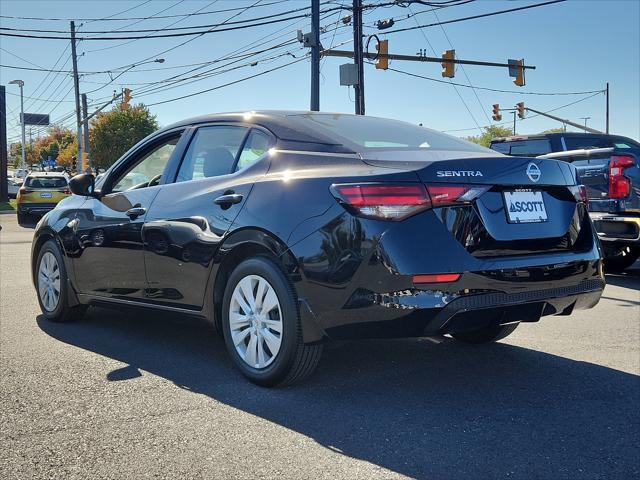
x=10 y=205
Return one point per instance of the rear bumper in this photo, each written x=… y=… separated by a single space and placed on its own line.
x=36 y=208
x=616 y=228
x=477 y=299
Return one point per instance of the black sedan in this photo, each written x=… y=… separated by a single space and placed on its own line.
x=287 y=229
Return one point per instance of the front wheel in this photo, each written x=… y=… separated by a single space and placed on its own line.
x=261 y=325
x=491 y=333
x=52 y=283
x=621 y=259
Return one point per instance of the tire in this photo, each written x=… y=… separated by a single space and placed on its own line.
x=621 y=259
x=288 y=361
x=23 y=218
x=51 y=275
x=491 y=333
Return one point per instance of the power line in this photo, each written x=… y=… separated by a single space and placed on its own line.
x=531 y=116
x=229 y=83
x=153 y=16
x=166 y=28
x=135 y=18
x=431 y=79
x=473 y=17
x=454 y=87
x=270 y=20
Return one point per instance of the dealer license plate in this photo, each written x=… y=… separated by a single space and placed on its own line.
x=525 y=206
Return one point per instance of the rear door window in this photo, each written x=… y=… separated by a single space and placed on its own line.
x=212 y=152
x=254 y=148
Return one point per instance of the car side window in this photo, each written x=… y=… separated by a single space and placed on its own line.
x=212 y=152
x=254 y=148
x=148 y=169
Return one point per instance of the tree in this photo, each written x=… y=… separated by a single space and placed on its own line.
x=67 y=155
x=489 y=133
x=113 y=133
x=554 y=130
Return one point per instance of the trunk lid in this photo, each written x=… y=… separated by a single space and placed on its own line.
x=492 y=225
x=480 y=168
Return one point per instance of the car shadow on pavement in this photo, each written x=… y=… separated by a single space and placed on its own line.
x=422 y=409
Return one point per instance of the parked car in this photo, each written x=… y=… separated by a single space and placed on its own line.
x=40 y=192
x=13 y=185
x=20 y=173
x=612 y=179
x=543 y=143
x=286 y=229
x=608 y=166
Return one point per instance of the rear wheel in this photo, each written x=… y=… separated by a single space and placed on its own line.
x=52 y=283
x=261 y=325
x=488 y=334
x=22 y=218
x=621 y=258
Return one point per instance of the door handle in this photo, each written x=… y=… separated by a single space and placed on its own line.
x=135 y=212
x=228 y=199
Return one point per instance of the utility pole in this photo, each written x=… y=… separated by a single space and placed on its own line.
x=357 y=55
x=4 y=194
x=85 y=129
x=607 y=93
x=514 y=122
x=315 y=55
x=20 y=84
x=76 y=87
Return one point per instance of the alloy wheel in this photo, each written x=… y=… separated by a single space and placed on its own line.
x=49 y=281
x=255 y=321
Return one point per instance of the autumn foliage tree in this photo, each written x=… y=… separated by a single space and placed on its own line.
x=490 y=132
x=114 y=132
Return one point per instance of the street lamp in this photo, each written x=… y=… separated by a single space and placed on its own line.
x=20 y=83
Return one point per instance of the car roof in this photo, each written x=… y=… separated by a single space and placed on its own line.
x=541 y=136
x=288 y=125
x=47 y=174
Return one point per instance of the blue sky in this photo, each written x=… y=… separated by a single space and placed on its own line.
x=576 y=46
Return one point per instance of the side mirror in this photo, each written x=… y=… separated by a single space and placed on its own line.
x=82 y=184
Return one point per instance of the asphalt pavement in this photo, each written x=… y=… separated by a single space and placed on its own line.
x=125 y=394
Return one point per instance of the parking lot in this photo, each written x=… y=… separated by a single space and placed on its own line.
x=125 y=394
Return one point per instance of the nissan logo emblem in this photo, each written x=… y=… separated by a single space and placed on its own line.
x=533 y=172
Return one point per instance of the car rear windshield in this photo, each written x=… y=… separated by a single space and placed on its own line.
x=45 y=182
x=371 y=133
x=525 y=148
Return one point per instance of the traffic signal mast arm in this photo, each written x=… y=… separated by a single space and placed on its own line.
x=417 y=58
x=564 y=120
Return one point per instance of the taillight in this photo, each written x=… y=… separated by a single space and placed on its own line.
x=579 y=193
x=24 y=190
x=383 y=201
x=619 y=185
x=399 y=201
x=66 y=191
x=443 y=194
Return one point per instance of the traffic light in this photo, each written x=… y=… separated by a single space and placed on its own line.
x=126 y=97
x=496 y=112
x=519 y=81
x=448 y=68
x=383 y=49
x=520 y=108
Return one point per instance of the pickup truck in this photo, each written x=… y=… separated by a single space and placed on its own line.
x=609 y=167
